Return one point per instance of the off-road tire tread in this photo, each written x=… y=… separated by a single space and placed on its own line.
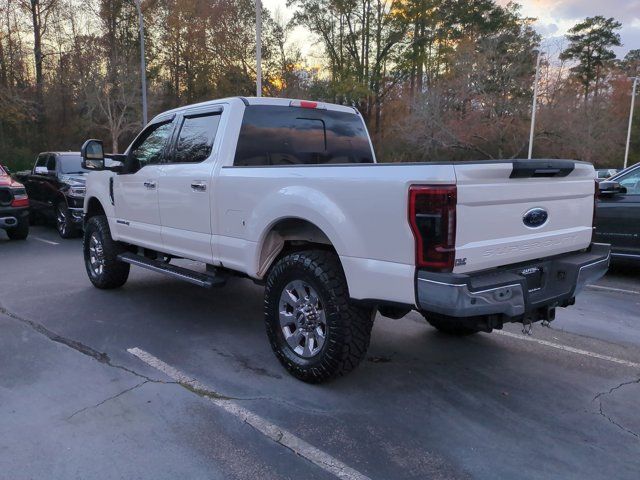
x=115 y=273
x=349 y=340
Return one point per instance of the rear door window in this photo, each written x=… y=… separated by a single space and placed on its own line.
x=196 y=137
x=281 y=135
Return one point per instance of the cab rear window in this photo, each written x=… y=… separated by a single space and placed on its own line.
x=281 y=135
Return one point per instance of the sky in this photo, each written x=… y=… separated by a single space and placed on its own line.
x=555 y=17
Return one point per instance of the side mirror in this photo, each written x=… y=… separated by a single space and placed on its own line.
x=41 y=171
x=611 y=188
x=92 y=155
x=114 y=162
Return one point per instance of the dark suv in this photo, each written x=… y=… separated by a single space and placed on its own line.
x=56 y=188
x=618 y=214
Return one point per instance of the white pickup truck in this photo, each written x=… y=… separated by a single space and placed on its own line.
x=288 y=193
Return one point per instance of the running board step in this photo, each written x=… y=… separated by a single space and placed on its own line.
x=200 y=279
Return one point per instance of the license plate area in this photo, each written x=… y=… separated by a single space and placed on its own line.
x=534 y=277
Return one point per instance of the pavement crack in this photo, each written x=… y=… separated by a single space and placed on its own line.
x=41 y=329
x=203 y=391
x=101 y=357
x=612 y=421
x=613 y=389
x=113 y=397
x=602 y=413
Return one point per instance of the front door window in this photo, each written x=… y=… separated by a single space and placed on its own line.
x=149 y=148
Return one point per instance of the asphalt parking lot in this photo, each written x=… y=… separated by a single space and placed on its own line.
x=164 y=380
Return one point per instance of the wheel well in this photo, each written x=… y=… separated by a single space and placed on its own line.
x=61 y=198
x=94 y=207
x=287 y=235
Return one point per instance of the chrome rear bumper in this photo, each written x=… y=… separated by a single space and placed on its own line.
x=508 y=291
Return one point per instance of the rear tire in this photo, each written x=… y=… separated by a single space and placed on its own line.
x=101 y=255
x=315 y=331
x=450 y=325
x=21 y=231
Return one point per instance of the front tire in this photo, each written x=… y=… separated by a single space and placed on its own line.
x=101 y=255
x=64 y=224
x=21 y=231
x=315 y=331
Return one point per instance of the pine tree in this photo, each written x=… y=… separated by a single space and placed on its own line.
x=590 y=45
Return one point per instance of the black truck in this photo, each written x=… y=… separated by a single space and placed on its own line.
x=617 y=216
x=56 y=189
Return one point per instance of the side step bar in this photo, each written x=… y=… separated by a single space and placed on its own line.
x=200 y=279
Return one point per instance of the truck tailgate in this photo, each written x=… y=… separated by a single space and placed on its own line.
x=517 y=211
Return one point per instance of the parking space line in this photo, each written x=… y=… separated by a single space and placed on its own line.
x=268 y=429
x=613 y=289
x=43 y=240
x=567 y=348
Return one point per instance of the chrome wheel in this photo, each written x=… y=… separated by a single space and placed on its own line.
x=61 y=221
x=302 y=318
x=96 y=254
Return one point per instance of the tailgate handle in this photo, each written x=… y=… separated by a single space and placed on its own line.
x=541 y=168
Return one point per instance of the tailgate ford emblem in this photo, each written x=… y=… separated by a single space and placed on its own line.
x=536 y=217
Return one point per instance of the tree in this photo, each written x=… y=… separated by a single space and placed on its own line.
x=113 y=106
x=111 y=91
x=40 y=11
x=631 y=63
x=282 y=75
x=445 y=79
x=478 y=105
x=360 y=38
x=590 y=43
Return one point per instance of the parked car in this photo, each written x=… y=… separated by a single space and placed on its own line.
x=56 y=187
x=618 y=214
x=14 y=207
x=288 y=193
x=603 y=173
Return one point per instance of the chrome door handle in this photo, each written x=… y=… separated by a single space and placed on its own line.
x=198 y=186
x=149 y=184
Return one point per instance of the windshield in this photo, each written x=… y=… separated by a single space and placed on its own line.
x=71 y=164
x=618 y=175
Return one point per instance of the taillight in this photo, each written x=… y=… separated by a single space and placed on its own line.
x=432 y=216
x=20 y=198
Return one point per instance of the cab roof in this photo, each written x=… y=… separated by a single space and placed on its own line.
x=59 y=153
x=282 y=102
